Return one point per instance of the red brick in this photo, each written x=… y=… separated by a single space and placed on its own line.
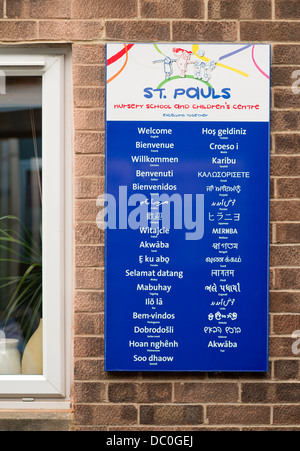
x=287 y=233
x=236 y=377
x=89 y=301
x=171 y=415
x=91 y=9
x=286 y=54
x=288 y=188
x=287 y=278
x=89 y=75
x=285 y=120
x=173 y=9
x=89 y=187
x=287 y=9
x=86 y=142
x=285 y=98
x=256 y=393
x=88 y=234
x=89 y=97
x=205 y=31
x=86 y=210
x=38 y=9
x=92 y=256
x=224 y=414
x=287 y=415
x=89 y=279
x=89 y=165
x=119 y=376
x=66 y=30
x=87 y=369
x=285 y=166
x=285 y=255
x=284 y=302
x=89 y=392
x=287 y=144
x=88 y=54
x=204 y=392
x=139 y=393
x=138 y=30
x=286 y=324
x=92 y=120
x=272 y=279
x=272 y=189
x=89 y=324
x=88 y=347
x=287 y=370
x=258 y=31
x=13 y=30
x=285 y=210
x=281 y=347
x=105 y=414
x=270 y=393
x=239 y=9
x=284 y=76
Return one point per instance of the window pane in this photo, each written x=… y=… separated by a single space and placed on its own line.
x=20 y=226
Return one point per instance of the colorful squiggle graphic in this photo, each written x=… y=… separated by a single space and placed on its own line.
x=119 y=55
x=235 y=52
x=156 y=47
x=123 y=67
x=257 y=66
x=177 y=77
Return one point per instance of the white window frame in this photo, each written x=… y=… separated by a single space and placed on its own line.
x=57 y=226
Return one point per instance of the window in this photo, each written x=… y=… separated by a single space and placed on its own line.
x=34 y=279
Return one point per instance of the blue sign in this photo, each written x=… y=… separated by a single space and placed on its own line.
x=186 y=209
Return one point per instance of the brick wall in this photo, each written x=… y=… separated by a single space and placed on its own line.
x=175 y=401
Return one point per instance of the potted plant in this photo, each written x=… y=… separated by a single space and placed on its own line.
x=24 y=290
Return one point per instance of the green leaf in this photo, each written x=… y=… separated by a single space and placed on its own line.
x=25 y=291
